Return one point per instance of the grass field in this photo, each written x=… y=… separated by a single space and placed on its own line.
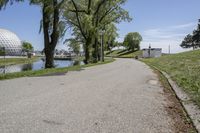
x=13 y=61
x=124 y=54
x=53 y=71
x=184 y=68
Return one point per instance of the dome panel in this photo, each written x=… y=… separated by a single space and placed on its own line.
x=10 y=42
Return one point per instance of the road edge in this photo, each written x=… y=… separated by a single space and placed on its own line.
x=190 y=108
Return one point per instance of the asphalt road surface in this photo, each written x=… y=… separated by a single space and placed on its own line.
x=121 y=97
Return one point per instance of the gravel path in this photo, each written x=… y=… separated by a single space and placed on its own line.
x=121 y=97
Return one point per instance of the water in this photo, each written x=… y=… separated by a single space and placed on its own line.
x=38 y=65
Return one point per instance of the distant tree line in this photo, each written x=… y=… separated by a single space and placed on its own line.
x=192 y=40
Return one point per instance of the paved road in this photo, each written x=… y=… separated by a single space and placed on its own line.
x=122 y=97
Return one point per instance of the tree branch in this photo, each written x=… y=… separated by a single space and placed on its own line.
x=107 y=13
x=77 y=16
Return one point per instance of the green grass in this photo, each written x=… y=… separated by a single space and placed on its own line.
x=184 y=68
x=123 y=54
x=14 y=61
x=50 y=71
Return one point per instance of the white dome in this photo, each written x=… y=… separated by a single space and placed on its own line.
x=10 y=42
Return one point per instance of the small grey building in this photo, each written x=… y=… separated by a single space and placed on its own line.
x=152 y=52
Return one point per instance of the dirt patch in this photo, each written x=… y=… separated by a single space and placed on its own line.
x=182 y=123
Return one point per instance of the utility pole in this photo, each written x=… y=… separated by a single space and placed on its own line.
x=169 y=48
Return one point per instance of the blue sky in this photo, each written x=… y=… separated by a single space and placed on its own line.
x=160 y=22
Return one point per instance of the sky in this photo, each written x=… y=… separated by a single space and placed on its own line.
x=162 y=23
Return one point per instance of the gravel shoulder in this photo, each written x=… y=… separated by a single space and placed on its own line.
x=121 y=97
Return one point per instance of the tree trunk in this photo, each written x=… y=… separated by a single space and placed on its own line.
x=87 y=51
x=49 y=53
x=50 y=41
x=95 y=51
x=102 y=48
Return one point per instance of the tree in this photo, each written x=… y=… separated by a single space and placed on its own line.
x=74 y=45
x=192 y=41
x=51 y=25
x=89 y=17
x=118 y=44
x=27 y=47
x=132 y=41
x=188 y=42
x=110 y=36
x=196 y=36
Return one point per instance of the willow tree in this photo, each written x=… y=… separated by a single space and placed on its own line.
x=92 y=16
x=51 y=25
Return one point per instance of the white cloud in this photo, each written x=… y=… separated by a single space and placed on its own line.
x=188 y=25
x=163 y=37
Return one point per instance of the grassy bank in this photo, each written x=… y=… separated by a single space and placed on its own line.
x=13 y=61
x=123 y=54
x=53 y=71
x=184 y=68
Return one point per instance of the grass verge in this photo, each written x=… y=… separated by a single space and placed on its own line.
x=184 y=69
x=52 y=71
x=181 y=121
x=14 y=61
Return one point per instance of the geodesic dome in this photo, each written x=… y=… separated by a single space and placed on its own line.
x=10 y=43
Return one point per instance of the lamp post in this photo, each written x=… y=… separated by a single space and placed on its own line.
x=102 y=44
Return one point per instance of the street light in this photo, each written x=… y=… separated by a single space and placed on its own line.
x=102 y=44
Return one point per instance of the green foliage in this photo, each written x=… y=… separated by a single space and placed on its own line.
x=132 y=41
x=184 y=68
x=3 y=3
x=118 y=44
x=74 y=45
x=27 y=47
x=110 y=35
x=192 y=41
x=89 y=17
x=187 y=42
x=86 y=18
